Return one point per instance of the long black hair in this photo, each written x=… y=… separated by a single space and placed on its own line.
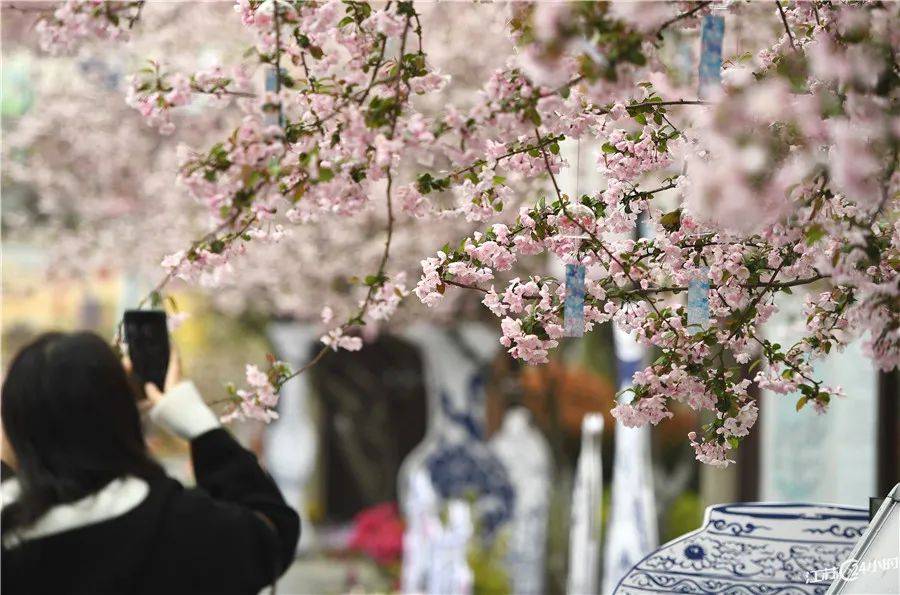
x=71 y=416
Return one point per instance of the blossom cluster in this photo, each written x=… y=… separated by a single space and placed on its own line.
x=155 y=93
x=259 y=398
x=793 y=201
x=73 y=21
x=785 y=179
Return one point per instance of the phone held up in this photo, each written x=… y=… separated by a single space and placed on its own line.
x=147 y=336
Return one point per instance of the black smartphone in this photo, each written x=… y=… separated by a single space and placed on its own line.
x=147 y=336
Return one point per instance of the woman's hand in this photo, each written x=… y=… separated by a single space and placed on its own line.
x=179 y=408
x=173 y=377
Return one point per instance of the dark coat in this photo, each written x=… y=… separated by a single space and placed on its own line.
x=234 y=533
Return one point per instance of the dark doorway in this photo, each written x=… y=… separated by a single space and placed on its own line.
x=374 y=413
x=888 y=431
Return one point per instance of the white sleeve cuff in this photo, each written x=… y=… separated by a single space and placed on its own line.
x=183 y=412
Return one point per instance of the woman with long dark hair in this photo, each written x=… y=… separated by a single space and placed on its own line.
x=87 y=510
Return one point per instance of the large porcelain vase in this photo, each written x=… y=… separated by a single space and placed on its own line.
x=454 y=460
x=752 y=549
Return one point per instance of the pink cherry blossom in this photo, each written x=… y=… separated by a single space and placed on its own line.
x=783 y=180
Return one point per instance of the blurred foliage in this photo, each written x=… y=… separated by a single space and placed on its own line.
x=16 y=94
x=685 y=514
x=558 y=522
x=486 y=559
x=598 y=354
x=576 y=391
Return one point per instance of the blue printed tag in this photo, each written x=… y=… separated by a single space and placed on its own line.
x=271 y=118
x=711 y=34
x=573 y=308
x=698 y=302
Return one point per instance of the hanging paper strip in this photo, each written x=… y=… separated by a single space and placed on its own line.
x=573 y=309
x=712 y=32
x=698 y=301
x=273 y=119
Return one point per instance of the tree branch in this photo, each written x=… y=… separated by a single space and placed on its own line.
x=786 y=27
x=679 y=17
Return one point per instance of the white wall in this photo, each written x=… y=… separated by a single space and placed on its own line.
x=827 y=458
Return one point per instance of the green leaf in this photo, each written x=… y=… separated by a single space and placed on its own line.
x=325 y=174
x=814 y=233
x=671 y=221
x=358 y=174
x=406 y=9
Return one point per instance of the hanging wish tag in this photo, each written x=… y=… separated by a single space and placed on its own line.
x=573 y=309
x=272 y=118
x=698 y=302
x=711 y=35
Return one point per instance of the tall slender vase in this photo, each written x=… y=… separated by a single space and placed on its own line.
x=291 y=443
x=632 y=531
x=524 y=452
x=587 y=499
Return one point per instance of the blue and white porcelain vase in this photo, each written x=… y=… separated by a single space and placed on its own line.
x=752 y=549
x=454 y=454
